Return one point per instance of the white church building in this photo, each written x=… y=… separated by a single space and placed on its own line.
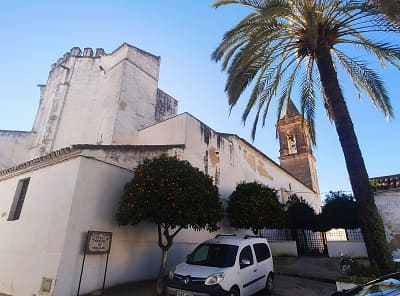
x=99 y=115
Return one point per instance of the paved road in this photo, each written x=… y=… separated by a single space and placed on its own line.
x=292 y=286
x=283 y=286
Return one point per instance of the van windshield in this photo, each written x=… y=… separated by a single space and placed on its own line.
x=214 y=255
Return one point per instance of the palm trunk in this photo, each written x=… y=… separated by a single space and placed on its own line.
x=371 y=222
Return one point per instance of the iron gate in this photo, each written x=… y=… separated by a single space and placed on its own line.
x=310 y=242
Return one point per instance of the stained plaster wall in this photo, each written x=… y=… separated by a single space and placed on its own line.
x=15 y=147
x=227 y=158
x=388 y=203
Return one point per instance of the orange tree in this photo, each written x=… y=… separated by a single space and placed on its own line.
x=172 y=194
x=255 y=206
x=339 y=211
x=300 y=215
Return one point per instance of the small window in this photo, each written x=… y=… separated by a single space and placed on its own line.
x=292 y=144
x=247 y=255
x=19 y=199
x=262 y=252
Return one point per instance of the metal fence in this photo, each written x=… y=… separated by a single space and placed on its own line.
x=276 y=234
x=354 y=234
x=311 y=242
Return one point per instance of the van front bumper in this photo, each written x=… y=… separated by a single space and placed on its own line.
x=175 y=288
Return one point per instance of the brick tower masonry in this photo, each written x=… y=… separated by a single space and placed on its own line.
x=296 y=154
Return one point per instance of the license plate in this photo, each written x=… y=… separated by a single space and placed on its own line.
x=183 y=293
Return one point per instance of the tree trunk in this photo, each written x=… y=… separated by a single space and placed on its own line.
x=163 y=230
x=160 y=284
x=371 y=222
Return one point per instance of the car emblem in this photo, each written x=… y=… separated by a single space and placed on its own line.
x=186 y=280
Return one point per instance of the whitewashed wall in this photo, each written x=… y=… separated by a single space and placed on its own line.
x=283 y=248
x=63 y=202
x=95 y=199
x=14 y=147
x=31 y=247
x=355 y=249
x=100 y=99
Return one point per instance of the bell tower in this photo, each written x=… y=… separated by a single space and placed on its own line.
x=296 y=154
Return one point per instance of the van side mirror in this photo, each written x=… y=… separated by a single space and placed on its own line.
x=244 y=262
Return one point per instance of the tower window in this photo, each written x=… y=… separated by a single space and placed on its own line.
x=292 y=144
x=19 y=199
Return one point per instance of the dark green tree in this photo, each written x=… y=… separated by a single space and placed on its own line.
x=255 y=206
x=172 y=194
x=288 y=44
x=339 y=211
x=300 y=215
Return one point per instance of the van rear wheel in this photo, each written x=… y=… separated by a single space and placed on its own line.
x=269 y=286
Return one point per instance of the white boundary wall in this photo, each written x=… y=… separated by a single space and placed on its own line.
x=355 y=249
x=283 y=248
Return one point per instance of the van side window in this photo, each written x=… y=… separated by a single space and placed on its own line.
x=262 y=252
x=246 y=254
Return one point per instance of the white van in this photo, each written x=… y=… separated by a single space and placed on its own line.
x=225 y=265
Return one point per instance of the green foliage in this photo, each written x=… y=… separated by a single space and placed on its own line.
x=255 y=206
x=339 y=211
x=172 y=193
x=300 y=215
x=359 y=269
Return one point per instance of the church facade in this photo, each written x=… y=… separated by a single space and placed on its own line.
x=99 y=116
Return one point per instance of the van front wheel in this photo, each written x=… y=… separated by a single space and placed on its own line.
x=234 y=292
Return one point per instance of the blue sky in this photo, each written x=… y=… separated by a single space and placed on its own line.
x=35 y=34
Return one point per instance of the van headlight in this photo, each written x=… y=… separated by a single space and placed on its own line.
x=171 y=273
x=214 y=279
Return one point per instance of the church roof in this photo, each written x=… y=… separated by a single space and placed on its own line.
x=74 y=151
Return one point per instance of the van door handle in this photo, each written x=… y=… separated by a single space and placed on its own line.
x=255 y=270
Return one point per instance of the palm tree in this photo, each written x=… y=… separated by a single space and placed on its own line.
x=285 y=44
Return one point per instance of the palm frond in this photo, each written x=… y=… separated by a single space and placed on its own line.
x=307 y=99
x=251 y=3
x=383 y=51
x=368 y=80
x=287 y=89
x=219 y=3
